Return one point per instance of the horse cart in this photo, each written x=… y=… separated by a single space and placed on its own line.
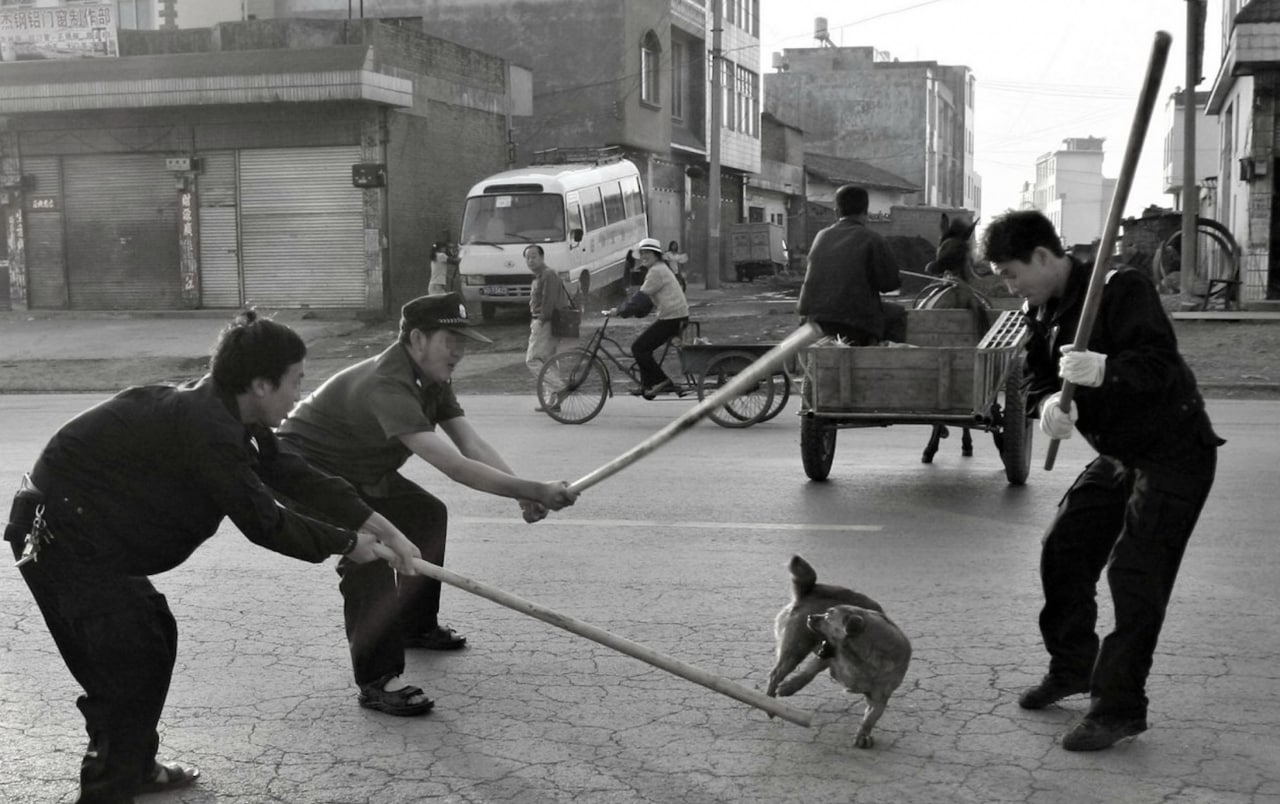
x=952 y=371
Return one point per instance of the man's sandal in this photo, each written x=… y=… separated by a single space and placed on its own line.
x=168 y=776
x=398 y=702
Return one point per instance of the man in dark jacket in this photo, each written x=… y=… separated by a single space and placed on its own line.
x=130 y=488
x=849 y=267
x=1131 y=511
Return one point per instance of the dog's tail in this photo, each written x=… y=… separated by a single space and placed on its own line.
x=803 y=578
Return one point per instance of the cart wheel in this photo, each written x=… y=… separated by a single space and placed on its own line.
x=1014 y=438
x=576 y=381
x=745 y=409
x=817 y=446
x=781 y=395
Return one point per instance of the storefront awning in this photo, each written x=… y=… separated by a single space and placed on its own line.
x=345 y=73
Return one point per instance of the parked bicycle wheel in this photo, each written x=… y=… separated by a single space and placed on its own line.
x=572 y=386
x=746 y=408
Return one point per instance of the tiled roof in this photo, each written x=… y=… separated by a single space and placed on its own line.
x=839 y=170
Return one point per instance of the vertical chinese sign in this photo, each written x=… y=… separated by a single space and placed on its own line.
x=67 y=32
x=188 y=249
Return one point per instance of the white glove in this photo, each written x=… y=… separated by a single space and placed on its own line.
x=1054 y=421
x=1082 y=368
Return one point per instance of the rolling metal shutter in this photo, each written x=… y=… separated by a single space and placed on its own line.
x=122 y=233
x=219 y=254
x=302 y=227
x=42 y=229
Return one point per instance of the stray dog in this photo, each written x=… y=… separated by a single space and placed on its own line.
x=849 y=634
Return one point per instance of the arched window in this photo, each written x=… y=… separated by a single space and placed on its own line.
x=650 y=56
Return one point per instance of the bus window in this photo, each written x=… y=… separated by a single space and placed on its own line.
x=613 y=208
x=532 y=218
x=592 y=208
x=575 y=215
x=632 y=197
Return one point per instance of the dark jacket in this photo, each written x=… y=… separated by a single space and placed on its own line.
x=141 y=480
x=849 y=267
x=1148 y=407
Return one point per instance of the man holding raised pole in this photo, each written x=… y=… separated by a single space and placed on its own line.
x=1131 y=511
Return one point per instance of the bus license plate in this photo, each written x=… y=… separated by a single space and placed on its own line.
x=495 y=290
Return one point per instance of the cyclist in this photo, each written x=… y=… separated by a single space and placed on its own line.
x=660 y=290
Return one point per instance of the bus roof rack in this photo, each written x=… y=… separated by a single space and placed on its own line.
x=577 y=155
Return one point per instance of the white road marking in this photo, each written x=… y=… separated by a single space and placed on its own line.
x=649 y=523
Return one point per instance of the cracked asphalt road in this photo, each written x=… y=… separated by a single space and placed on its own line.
x=686 y=553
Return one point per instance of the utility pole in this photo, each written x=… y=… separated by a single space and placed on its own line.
x=1190 y=195
x=713 y=181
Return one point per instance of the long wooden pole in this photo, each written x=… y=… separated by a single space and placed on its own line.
x=763 y=367
x=634 y=649
x=1101 y=262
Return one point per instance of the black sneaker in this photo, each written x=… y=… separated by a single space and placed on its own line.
x=1050 y=690
x=437 y=638
x=1094 y=735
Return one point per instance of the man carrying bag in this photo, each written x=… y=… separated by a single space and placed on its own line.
x=553 y=316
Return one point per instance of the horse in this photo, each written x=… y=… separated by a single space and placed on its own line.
x=953 y=264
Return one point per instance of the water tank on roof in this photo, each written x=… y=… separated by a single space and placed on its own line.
x=820 y=29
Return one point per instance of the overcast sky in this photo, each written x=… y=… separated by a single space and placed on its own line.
x=1045 y=71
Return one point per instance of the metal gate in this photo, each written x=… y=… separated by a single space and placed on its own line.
x=42 y=235
x=219 y=254
x=301 y=227
x=121 y=233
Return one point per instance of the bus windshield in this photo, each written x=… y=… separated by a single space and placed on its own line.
x=517 y=218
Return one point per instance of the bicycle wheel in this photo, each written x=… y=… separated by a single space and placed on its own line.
x=781 y=395
x=572 y=386
x=749 y=405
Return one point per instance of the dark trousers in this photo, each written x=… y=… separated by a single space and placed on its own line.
x=120 y=642
x=1135 y=523
x=381 y=608
x=648 y=342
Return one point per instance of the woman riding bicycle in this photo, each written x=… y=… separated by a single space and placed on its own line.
x=662 y=290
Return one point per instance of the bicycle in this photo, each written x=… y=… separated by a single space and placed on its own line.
x=574 y=385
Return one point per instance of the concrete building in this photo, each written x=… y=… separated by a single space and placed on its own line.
x=1245 y=100
x=1071 y=190
x=280 y=163
x=633 y=75
x=913 y=119
x=1206 y=134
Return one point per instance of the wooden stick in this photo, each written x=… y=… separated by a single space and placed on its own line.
x=1101 y=262
x=634 y=649
x=753 y=373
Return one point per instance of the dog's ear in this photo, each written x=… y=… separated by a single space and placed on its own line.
x=853 y=625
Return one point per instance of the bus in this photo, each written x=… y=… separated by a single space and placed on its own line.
x=585 y=215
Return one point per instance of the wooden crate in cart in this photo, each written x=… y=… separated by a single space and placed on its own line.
x=950 y=372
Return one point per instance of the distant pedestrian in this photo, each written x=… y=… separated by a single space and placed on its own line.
x=1131 y=511
x=129 y=489
x=675 y=259
x=547 y=295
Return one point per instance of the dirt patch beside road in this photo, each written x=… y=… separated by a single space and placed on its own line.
x=1232 y=359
